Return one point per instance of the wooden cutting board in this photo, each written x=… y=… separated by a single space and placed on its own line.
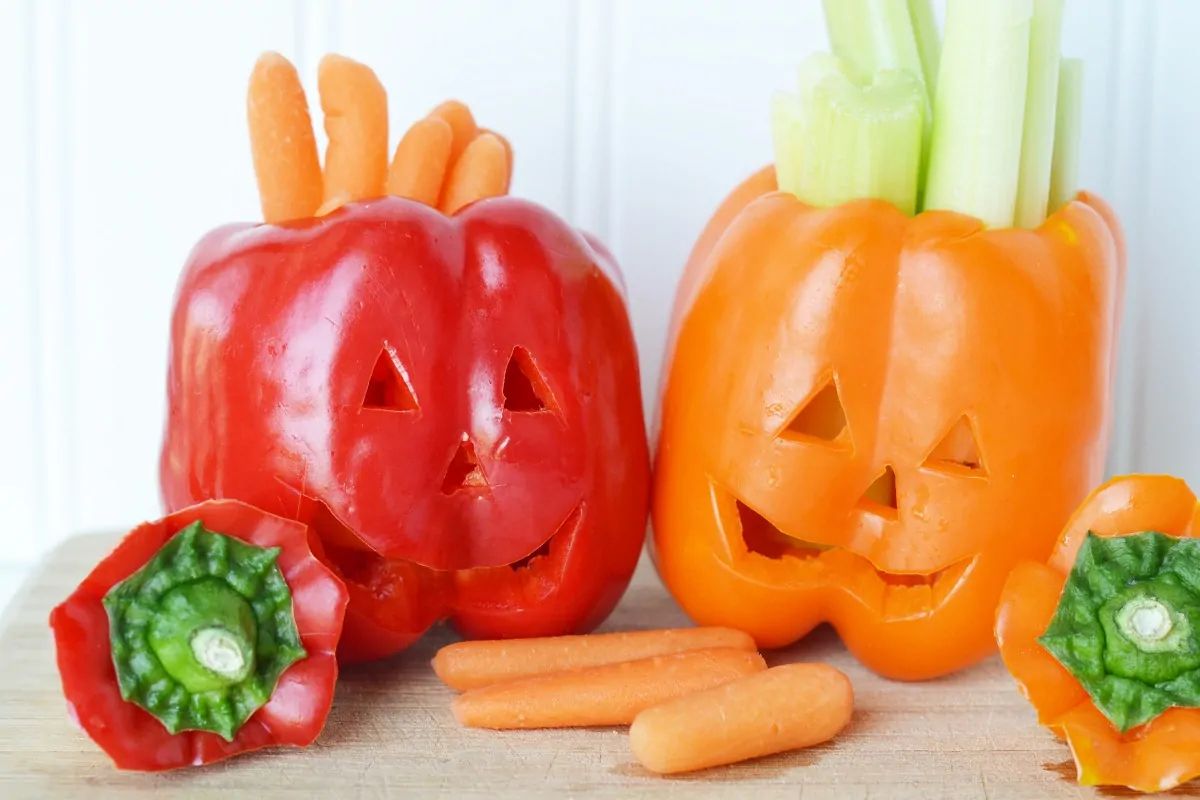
x=391 y=734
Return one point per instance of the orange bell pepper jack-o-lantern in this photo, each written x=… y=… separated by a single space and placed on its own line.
x=868 y=417
x=1103 y=637
x=440 y=380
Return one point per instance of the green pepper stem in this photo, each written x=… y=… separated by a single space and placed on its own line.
x=223 y=653
x=1145 y=621
x=204 y=635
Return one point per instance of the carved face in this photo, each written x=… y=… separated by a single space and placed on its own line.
x=453 y=391
x=868 y=419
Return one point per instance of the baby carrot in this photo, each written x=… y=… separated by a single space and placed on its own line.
x=784 y=708
x=611 y=694
x=508 y=156
x=461 y=121
x=474 y=664
x=355 y=106
x=282 y=144
x=421 y=161
x=481 y=172
x=333 y=204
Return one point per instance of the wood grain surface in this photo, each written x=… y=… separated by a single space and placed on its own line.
x=391 y=733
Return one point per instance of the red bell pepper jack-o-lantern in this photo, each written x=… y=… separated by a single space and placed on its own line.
x=441 y=381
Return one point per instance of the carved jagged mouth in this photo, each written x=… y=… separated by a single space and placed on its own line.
x=558 y=539
x=530 y=579
x=524 y=563
x=763 y=538
x=357 y=562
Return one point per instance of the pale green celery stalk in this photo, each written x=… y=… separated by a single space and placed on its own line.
x=787 y=130
x=979 y=109
x=1064 y=170
x=925 y=29
x=787 y=118
x=1037 y=143
x=863 y=141
x=872 y=35
x=816 y=68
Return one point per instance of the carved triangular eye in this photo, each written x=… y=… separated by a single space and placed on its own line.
x=389 y=388
x=524 y=388
x=958 y=451
x=880 y=496
x=822 y=418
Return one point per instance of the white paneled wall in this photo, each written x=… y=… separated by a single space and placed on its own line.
x=122 y=140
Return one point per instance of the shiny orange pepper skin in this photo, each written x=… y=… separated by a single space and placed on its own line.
x=931 y=331
x=1155 y=756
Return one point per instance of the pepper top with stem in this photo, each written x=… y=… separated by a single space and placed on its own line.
x=1127 y=625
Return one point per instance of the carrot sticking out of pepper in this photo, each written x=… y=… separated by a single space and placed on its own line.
x=784 y=708
x=421 y=161
x=508 y=155
x=481 y=172
x=282 y=145
x=354 y=103
x=475 y=664
x=612 y=694
x=461 y=122
x=444 y=161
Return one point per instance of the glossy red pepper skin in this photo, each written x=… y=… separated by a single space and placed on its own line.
x=131 y=736
x=276 y=334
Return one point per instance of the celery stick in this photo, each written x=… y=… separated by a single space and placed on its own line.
x=1064 y=171
x=872 y=35
x=787 y=129
x=787 y=118
x=979 y=109
x=863 y=141
x=925 y=29
x=814 y=69
x=1037 y=144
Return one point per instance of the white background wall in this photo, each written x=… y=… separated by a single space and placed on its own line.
x=122 y=140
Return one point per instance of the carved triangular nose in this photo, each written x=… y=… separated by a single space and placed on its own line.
x=880 y=497
x=464 y=471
